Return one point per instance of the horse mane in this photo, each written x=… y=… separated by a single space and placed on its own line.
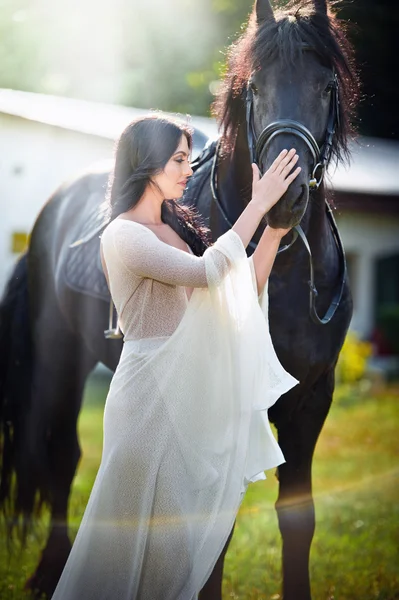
x=296 y=24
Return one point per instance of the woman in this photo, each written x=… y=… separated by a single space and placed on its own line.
x=185 y=421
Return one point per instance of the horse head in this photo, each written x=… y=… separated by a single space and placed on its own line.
x=292 y=73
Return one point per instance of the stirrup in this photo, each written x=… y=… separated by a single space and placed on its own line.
x=112 y=333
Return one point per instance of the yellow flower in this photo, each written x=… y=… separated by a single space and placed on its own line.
x=353 y=359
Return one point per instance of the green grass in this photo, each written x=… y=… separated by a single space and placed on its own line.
x=355 y=548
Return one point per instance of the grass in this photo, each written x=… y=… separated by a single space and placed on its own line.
x=355 y=549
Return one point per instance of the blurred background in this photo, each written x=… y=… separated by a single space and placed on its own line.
x=73 y=73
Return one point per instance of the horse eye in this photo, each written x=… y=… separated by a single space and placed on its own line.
x=253 y=87
x=329 y=87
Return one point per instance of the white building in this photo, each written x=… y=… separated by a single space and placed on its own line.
x=45 y=140
x=367 y=199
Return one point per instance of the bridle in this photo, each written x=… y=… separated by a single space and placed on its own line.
x=320 y=157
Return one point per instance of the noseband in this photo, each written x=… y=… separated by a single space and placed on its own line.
x=320 y=156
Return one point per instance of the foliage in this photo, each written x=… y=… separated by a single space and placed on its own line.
x=352 y=360
x=177 y=68
x=21 y=63
x=373 y=30
x=170 y=55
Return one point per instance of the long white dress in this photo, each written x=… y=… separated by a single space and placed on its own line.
x=185 y=420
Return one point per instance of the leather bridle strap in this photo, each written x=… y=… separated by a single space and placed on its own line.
x=320 y=156
x=286 y=126
x=297 y=231
x=343 y=273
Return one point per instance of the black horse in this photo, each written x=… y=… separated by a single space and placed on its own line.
x=290 y=82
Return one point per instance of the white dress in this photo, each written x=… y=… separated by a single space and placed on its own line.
x=185 y=420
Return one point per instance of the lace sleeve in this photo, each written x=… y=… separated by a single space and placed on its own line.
x=144 y=254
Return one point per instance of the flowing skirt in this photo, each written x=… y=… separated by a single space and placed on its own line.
x=185 y=431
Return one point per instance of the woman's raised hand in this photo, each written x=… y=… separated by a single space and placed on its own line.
x=267 y=190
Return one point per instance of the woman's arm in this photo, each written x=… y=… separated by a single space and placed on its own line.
x=265 y=253
x=143 y=254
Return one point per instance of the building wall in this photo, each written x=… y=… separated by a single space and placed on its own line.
x=35 y=159
x=366 y=238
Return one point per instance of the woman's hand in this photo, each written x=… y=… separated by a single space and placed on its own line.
x=266 y=191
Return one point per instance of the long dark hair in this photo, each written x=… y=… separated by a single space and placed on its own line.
x=142 y=151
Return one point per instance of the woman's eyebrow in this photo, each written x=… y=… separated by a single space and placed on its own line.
x=180 y=152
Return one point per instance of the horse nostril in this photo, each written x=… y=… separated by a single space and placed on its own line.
x=302 y=193
x=297 y=205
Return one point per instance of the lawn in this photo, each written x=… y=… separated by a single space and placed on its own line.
x=355 y=549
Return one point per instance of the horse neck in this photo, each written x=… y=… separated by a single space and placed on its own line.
x=235 y=177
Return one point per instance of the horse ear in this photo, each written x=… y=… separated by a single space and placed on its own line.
x=321 y=6
x=264 y=11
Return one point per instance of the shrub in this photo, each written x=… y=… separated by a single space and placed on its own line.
x=352 y=360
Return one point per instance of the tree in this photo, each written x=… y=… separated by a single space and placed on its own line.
x=374 y=30
x=175 y=57
x=21 y=65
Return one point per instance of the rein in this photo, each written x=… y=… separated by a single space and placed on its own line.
x=343 y=272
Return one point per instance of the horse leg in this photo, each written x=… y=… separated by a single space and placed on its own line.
x=212 y=590
x=59 y=378
x=295 y=507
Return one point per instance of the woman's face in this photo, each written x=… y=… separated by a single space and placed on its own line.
x=174 y=177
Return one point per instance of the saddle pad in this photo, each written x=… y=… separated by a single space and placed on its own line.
x=83 y=270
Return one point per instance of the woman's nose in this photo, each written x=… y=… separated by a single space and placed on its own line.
x=188 y=170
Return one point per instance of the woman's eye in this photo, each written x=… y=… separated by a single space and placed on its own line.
x=179 y=160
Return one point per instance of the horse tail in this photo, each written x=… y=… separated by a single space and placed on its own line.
x=16 y=369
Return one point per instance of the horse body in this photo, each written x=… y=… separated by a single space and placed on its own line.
x=66 y=326
x=65 y=342
x=57 y=228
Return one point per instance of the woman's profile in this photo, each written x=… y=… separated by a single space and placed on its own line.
x=185 y=420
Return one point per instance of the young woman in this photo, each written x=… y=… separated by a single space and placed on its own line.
x=185 y=421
